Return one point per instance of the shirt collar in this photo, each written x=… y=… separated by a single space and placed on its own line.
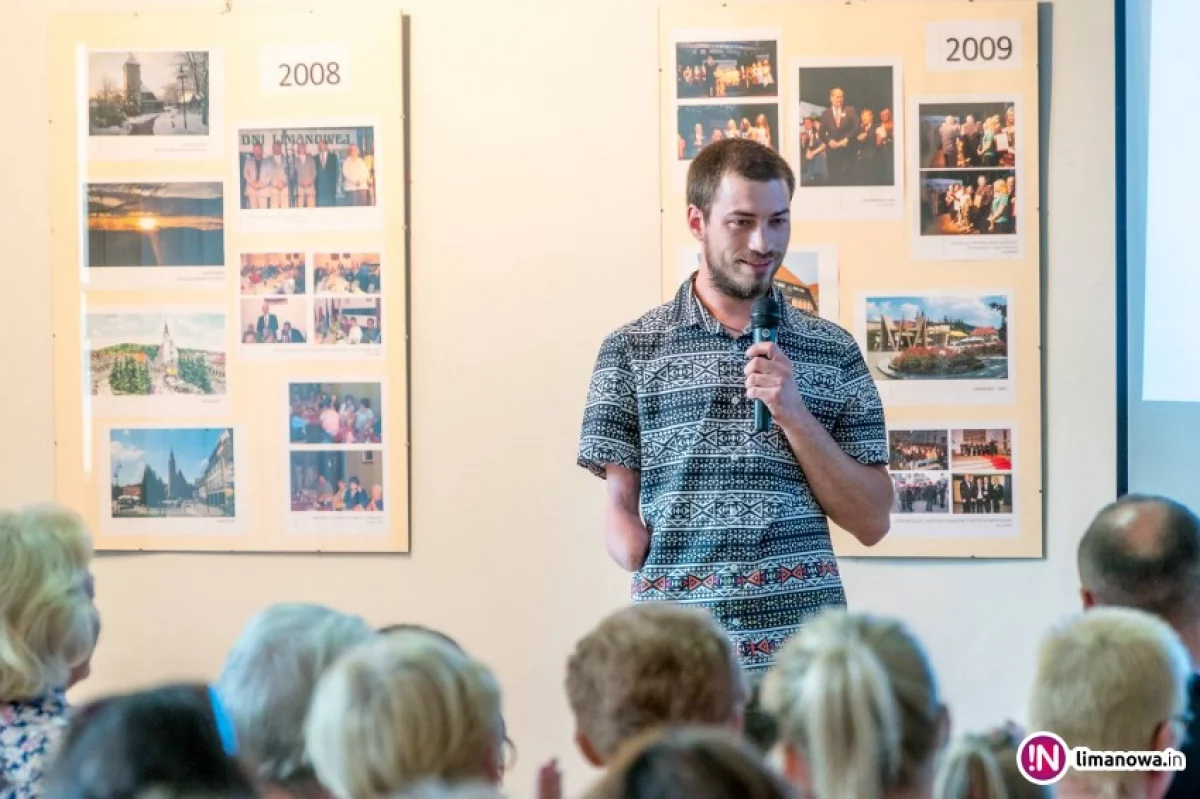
x=688 y=311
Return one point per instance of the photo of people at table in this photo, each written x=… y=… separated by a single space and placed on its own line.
x=337 y=481
x=273 y=273
x=335 y=413
x=848 y=131
x=346 y=273
x=982 y=494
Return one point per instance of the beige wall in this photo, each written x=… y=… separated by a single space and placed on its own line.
x=534 y=139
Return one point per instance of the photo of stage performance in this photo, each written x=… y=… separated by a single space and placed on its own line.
x=981 y=450
x=920 y=492
x=979 y=494
x=701 y=125
x=917 y=450
x=726 y=69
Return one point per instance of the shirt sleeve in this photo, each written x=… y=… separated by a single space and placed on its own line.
x=610 y=432
x=860 y=429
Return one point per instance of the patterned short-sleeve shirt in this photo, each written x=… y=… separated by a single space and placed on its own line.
x=734 y=526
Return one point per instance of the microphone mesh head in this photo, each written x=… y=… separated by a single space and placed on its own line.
x=765 y=311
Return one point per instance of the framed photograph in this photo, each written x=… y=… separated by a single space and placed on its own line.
x=337 y=490
x=273 y=274
x=847 y=123
x=166 y=234
x=339 y=273
x=145 y=105
x=701 y=125
x=966 y=158
x=172 y=480
x=304 y=176
x=718 y=70
x=336 y=415
x=938 y=348
x=167 y=362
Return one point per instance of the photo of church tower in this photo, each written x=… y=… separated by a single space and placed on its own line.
x=146 y=354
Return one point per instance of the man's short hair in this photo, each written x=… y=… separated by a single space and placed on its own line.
x=740 y=157
x=650 y=665
x=1107 y=679
x=1144 y=552
x=269 y=679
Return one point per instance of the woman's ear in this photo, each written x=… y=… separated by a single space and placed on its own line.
x=796 y=768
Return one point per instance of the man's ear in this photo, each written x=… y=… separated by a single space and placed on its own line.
x=696 y=224
x=588 y=751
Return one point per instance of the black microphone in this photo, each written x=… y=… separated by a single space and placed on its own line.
x=764 y=319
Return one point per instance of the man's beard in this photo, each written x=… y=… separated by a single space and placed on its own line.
x=725 y=278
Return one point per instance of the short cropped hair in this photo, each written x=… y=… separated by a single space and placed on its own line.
x=48 y=624
x=1144 y=552
x=985 y=767
x=269 y=677
x=697 y=762
x=740 y=157
x=1107 y=679
x=649 y=665
x=400 y=710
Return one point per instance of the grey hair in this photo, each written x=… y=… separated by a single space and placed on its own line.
x=269 y=678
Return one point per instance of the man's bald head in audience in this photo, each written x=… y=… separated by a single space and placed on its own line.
x=1143 y=552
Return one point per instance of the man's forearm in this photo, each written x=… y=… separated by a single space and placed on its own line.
x=856 y=497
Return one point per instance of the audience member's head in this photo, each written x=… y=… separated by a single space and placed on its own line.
x=1112 y=679
x=985 y=767
x=267 y=685
x=1144 y=552
x=650 y=665
x=165 y=741
x=48 y=624
x=858 y=708
x=408 y=627
x=403 y=709
x=696 y=762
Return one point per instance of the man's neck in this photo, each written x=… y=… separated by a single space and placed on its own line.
x=730 y=312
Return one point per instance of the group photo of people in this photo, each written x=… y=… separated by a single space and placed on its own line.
x=968 y=203
x=702 y=125
x=273 y=273
x=920 y=492
x=726 y=69
x=337 y=481
x=307 y=168
x=968 y=135
x=848 y=129
x=981 y=450
x=335 y=413
x=917 y=450
x=347 y=273
x=348 y=321
x=979 y=494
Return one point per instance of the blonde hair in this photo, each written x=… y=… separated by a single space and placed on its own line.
x=1108 y=679
x=400 y=710
x=697 y=762
x=649 y=665
x=985 y=767
x=856 y=694
x=49 y=624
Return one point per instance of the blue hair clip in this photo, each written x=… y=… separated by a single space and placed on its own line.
x=224 y=723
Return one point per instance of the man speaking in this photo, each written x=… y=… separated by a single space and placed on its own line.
x=701 y=507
